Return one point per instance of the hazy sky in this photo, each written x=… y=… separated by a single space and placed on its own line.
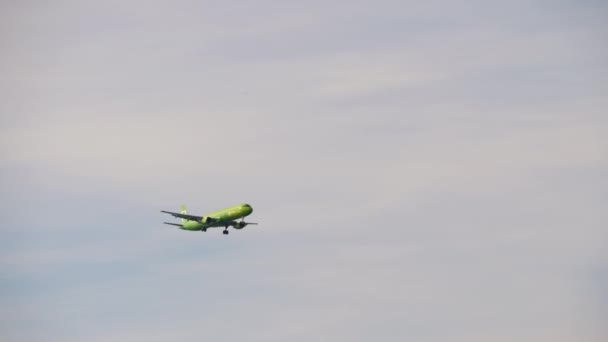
x=422 y=170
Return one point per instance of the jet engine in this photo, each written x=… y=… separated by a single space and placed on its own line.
x=207 y=219
x=239 y=225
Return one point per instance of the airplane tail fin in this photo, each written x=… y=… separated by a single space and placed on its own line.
x=183 y=210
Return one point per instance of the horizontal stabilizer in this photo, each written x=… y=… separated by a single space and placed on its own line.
x=173 y=224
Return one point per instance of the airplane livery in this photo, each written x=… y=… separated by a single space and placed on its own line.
x=221 y=218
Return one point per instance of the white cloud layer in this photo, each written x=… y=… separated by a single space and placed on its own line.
x=421 y=171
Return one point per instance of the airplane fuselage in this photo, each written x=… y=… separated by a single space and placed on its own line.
x=222 y=218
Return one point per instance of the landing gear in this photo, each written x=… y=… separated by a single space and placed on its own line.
x=225 y=232
x=204 y=230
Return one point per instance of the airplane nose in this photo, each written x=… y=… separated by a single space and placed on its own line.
x=248 y=208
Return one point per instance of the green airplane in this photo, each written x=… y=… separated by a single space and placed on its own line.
x=221 y=218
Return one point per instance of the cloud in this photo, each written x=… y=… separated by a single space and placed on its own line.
x=420 y=171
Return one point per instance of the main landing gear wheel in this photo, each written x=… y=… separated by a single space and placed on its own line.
x=204 y=230
x=225 y=232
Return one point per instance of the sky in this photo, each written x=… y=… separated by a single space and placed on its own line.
x=421 y=170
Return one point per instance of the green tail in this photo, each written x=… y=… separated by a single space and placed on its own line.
x=183 y=211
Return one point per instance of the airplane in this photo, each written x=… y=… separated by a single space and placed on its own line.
x=221 y=218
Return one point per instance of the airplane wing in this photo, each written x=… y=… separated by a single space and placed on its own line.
x=190 y=217
x=241 y=224
x=184 y=216
x=173 y=224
